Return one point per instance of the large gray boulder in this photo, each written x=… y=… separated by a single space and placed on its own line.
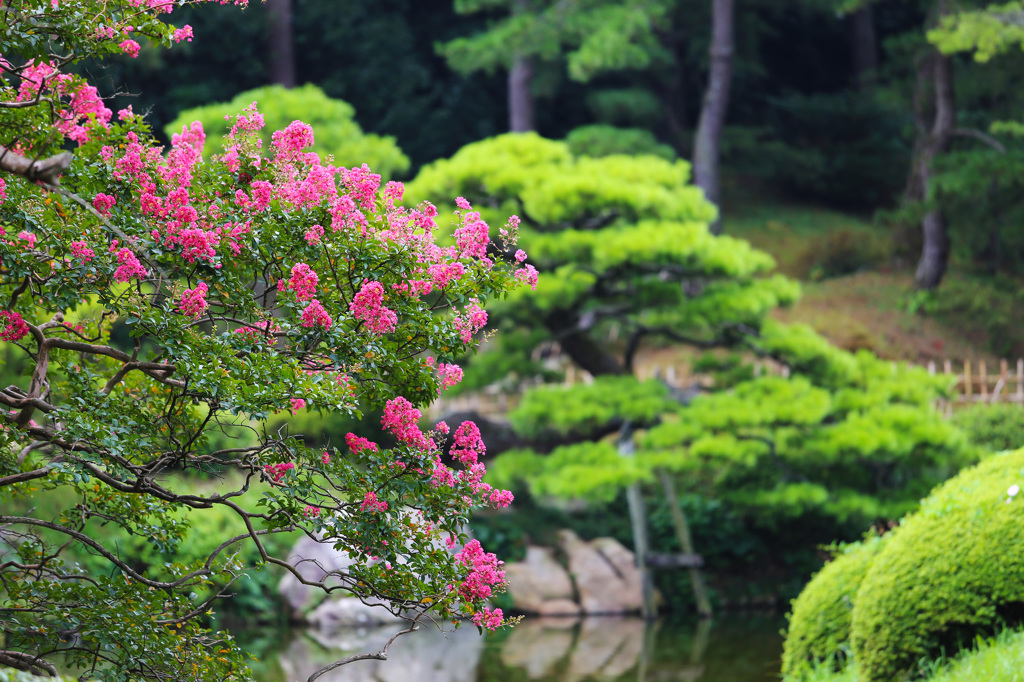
x=538 y=584
x=607 y=579
x=538 y=644
x=314 y=561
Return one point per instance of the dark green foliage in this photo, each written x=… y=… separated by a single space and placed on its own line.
x=992 y=428
x=606 y=140
x=952 y=571
x=819 y=624
x=839 y=252
x=990 y=305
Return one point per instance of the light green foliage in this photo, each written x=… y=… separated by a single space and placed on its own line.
x=950 y=572
x=596 y=36
x=568 y=409
x=985 y=32
x=819 y=624
x=337 y=134
x=992 y=428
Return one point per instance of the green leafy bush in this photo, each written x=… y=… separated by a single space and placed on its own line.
x=606 y=140
x=840 y=252
x=337 y=133
x=819 y=624
x=992 y=428
x=952 y=571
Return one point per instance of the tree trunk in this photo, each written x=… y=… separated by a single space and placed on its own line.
x=520 y=99
x=279 y=43
x=934 y=72
x=865 y=48
x=708 y=139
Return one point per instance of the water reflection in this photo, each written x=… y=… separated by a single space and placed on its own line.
x=735 y=649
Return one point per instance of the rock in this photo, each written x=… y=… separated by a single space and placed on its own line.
x=537 y=645
x=606 y=578
x=606 y=648
x=313 y=560
x=348 y=612
x=538 y=584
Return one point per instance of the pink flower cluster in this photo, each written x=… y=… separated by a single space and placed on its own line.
x=449 y=375
x=303 y=282
x=401 y=418
x=472 y=238
x=130 y=268
x=488 y=619
x=367 y=305
x=311 y=511
x=357 y=444
x=362 y=185
x=314 y=234
x=130 y=48
x=277 y=471
x=14 y=327
x=83 y=99
x=297 y=404
x=193 y=301
x=472 y=321
x=82 y=251
x=484 y=571
x=103 y=203
x=467 y=445
x=315 y=316
x=372 y=504
x=181 y=34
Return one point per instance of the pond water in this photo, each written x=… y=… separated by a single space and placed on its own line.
x=735 y=648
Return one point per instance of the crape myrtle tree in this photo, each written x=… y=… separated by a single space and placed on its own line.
x=253 y=281
x=626 y=257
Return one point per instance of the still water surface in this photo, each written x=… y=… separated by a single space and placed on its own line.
x=735 y=648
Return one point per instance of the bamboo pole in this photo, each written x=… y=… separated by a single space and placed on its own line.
x=967 y=379
x=983 y=380
x=700 y=594
x=1020 y=380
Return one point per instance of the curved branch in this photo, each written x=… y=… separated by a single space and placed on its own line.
x=47 y=170
x=984 y=137
x=381 y=655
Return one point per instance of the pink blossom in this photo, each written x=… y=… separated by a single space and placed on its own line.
x=181 y=34
x=314 y=234
x=311 y=511
x=193 y=301
x=277 y=471
x=3 y=191
x=484 y=571
x=401 y=418
x=14 y=327
x=303 y=282
x=449 y=375
x=488 y=619
x=527 y=275
x=103 y=203
x=315 y=316
x=501 y=498
x=367 y=305
x=297 y=404
x=296 y=137
x=29 y=237
x=262 y=193
x=371 y=504
x=130 y=48
x=520 y=256
x=467 y=444
x=358 y=444
x=444 y=274
x=473 y=321
x=82 y=251
x=393 y=191
x=472 y=238
x=325 y=458
x=462 y=203
x=441 y=427
x=130 y=267
x=362 y=185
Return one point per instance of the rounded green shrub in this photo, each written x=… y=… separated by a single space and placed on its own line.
x=337 y=133
x=819 y=624
x=605 y=140
x=954 y=570
x=992 y=427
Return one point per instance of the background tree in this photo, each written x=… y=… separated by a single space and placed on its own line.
x=250 y=283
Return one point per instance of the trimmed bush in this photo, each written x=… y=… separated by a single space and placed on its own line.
x=992 y=427
x=819 y=624
x=954 y=570
x=605 y=140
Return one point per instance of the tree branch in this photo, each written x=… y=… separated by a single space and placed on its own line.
x=984 y=137
x=47 y=170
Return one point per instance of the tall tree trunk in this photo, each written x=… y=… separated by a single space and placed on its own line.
x=935 y=74
x=708 y=139
x=520 y=99
x=279 y=43
x=865 y=47
x=520 y=77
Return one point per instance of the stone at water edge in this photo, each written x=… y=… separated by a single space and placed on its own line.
x=538 y=584
x=538 y=644
x=607 y=579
